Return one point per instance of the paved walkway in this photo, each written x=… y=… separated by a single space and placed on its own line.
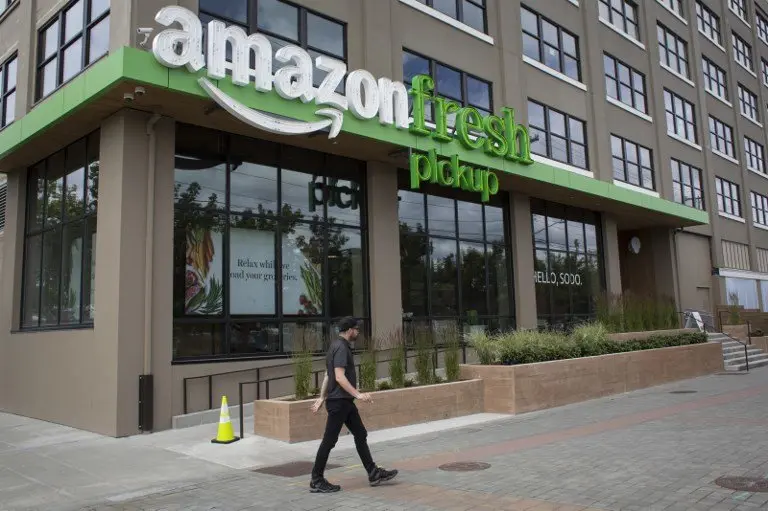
x=659 y=448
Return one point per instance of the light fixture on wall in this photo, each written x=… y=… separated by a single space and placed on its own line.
x=634 y=245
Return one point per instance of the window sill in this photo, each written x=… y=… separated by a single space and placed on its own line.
x=429 y=11
x=673 y=13
x=758 y=172
x=719 y=98
x=750 y=119
x=57 y=328
x=8 y=10
x=739 y=17
x=560 y=76
x=560 y=165
x=629 y=109
x=623 y=34
x=713 y=41
x=732 y=217
x=725 y=156
x=759 y=226
x=744 y=67
x=574 y=2
x=684 y=141
x=675 y=73
x=636 y=188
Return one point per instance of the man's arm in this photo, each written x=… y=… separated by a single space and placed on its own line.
x=324 y=387
x=342 y=380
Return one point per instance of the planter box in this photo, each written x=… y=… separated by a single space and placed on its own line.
x=293 y=421
x=529 y=387
x=641 y=336
x=760 y=343
x=737 y=331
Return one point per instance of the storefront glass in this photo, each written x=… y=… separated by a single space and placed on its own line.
x=568 y=264
x=455 y=261
x=250 y=214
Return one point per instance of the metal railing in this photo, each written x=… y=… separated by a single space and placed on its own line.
x=711 y=329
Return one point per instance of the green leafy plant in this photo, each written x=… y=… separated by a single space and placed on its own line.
x=302 y=370
x=384 y=385
x=425 y=368
x=734 y=314
x=633 y=313
x=396 y=344
x=368 y=368
x=452 y=352
x=408 y=383
x=485 y=346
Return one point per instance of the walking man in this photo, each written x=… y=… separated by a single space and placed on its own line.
x=339 y=392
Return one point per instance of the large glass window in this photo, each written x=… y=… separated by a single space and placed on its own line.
x=728 y=197
x=77 y=37
x=8 y=72
x=622 y=14
x=469 y=12
x=550 y=44
x=557 y=135
x=715 y=81
x=681 y=119
x=761 y=20
x=742 y=52
x=739 y=8
x=624 y=83
x=632 y=163
x=687 y=184
x=748 y=104
x=60 y=238
x=455 y=260
x=568 y=265
x=673 y=50
x=759 y=208
x=708 y=22
x=269 y=245
x=721 y=137
x=675 y=6
x=755 y=155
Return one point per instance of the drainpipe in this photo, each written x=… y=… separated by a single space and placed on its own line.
x=150 y=245
x=678 y=290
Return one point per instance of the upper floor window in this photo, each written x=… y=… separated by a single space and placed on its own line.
x=739 y=8
x=59 y=252
x=469 y=12
x=714 y=79
x=681 y=119
x=550 y=44
x=759 y=208
x=686 y=184
x=721 y=137
x=4 y=5
x=764 y=71
x=755 y=154
x=761 y=20
x=728 y=200
x=622 y=14
x=632 y=163
x=709 y=23
x=76 y=37
x=557 y=135
x=748 y=104
x=675 y=6
x=8 y=91
x=451 y=83
x=673 y=51
x=624 y=83
x=742 y=52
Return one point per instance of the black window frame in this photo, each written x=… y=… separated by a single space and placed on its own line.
x=621 y=163
x=635 y=76
x=91 y=144
x=739 y=8
x=742 y=50
x=730 y=199
x=748 y=103
x=675 y=6
x=759 y=203
x=683 y=181
x=761 y=24
x=713 y=73
x=623 y=20
x=668 y=55
x=6 y=91
x=84 y=35
x=764 y=70
x=754 y=151
x=542 y=44
x=481 y=4
x=708 y=23
x=5 y=5
x=568 y=140
x=690 y=124
x=721 y=137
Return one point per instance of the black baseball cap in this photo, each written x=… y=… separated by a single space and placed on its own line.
x=348 y=323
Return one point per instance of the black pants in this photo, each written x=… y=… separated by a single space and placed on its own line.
x=341 y=412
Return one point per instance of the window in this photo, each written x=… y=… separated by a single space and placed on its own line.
x=714 y=79
x=469 y=12
x=748 y=103
x=739 y=8
x=624 y=83
x=755 y=155
x=451 y=83
x=762 y=26
x=686 y=184
x=3 y=202
x=550 y=44
x=764 y=70
x=673 y=51
x=269 y=245
x=675 y=6
x=557 y=135
x=721 y=137
x=568 y=264
x=5 y=5
x=709 y=23
x=742 y=52
x=455 y=259
x=60 y=238
x=728 y=200
x=632 y=163
x=77 y=37
x=8 y=71
x=623 y=15
x=759 y=208
x=681 y=119
x=283 y=23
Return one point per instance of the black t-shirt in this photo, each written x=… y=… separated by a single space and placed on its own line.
x=340 y=355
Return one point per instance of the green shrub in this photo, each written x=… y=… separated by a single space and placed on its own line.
x=633 y=313
x=385 y=385
x=485 y=346
x=302 y=371
x=592 y=340
x=368 y=368
x=396 y=344
x=425 y=367
x=734 y=314
x=408 y=383
x=450 y=337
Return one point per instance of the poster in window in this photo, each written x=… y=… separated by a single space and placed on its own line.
x=203 y=275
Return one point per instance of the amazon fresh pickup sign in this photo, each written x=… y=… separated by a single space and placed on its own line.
x=365 y=97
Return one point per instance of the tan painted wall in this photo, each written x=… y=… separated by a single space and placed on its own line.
x=694 y=267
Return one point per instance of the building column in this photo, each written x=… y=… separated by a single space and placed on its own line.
x=522 y=261
x=611 y=254
x=384 y=249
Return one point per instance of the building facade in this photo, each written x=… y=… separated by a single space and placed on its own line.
x=203 y=186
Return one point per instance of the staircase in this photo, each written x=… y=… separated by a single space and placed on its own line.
x=733 y=354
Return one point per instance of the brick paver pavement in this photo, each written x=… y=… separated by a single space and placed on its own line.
x=648 y=450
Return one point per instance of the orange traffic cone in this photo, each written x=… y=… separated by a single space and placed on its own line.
x=226 y=434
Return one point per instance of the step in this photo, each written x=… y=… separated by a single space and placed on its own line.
x=742 y=367
x=734 y=344
x=740 y=354
x=740 y=348
x=752 y=360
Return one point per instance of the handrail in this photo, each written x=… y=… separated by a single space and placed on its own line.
x=317 y=373
x=749 y=336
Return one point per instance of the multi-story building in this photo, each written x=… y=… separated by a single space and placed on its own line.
x=249 y=191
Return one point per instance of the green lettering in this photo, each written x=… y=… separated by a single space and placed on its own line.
x=477 y=180
x=443 y=108
x=421 y=90
x=453 y=163
x=518 y=141
x=423 y=166
x=495 y=144
x=460 y=180
x=467 y=119
x=490 y=185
